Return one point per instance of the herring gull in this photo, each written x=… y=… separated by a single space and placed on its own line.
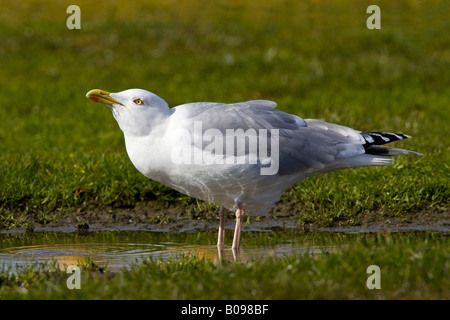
x=240 y=156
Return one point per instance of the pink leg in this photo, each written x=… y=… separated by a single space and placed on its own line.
x=223 y=219
x=237 y=231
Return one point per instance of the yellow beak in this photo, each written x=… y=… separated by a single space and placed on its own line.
x=102 y=96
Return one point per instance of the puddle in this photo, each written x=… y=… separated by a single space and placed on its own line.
x=114 y=256
x=120 y=249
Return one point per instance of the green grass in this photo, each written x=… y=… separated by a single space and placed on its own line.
x=317 y=59
x=412 y=266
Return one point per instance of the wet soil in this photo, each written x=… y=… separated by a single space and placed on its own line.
x=151 y=217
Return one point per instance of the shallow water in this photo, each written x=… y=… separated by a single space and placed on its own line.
x=120 y=249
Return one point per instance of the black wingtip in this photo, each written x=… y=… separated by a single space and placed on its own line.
x=380 y=138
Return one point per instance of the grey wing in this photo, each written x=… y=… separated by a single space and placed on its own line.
x=245 y=119
x=303 y=146
x=255 y=114
x=320 y=147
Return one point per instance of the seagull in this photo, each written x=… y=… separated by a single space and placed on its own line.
x=240 y=156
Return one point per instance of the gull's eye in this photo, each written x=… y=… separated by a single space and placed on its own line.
x=138 y=101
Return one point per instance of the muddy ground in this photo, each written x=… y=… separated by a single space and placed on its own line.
x=152 y=217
